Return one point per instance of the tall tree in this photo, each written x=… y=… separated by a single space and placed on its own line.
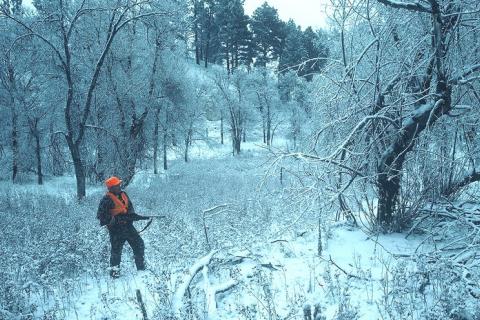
x=233 y=33
x=268 y=34
x=294 y=51
x=316 y=51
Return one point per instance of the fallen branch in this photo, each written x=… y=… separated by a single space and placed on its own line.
x=212 y=291
x=177 y=302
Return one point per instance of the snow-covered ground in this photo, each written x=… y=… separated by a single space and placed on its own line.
x=256 y=264
x=296 y=276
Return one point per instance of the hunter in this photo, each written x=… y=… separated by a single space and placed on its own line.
x=116 y=212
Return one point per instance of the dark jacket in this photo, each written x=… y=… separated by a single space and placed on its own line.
x=103 y=213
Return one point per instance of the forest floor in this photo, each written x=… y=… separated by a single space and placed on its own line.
x=258 y=259
x=275 y=279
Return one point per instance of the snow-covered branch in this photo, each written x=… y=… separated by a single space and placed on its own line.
x=177 y=302
x=412 y=6
x=212 y=290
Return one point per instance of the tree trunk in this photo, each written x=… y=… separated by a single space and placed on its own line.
x=155 y=141
x=391 y=164
x=269 y=126
x=294 y=139
x=207 y=49
x=221 y=128
x=56 y=152
x=15 y=148
x=227 y=56
x=195 y=27
x=39 y=158
x=78 y=167
x=165 y=166
x=236 y=138
x=188 y=142
x=33 y=125
x=264 y=130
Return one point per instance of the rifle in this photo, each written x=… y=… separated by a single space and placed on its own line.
x=135 y=217
x=150 y=221
x=154 y=216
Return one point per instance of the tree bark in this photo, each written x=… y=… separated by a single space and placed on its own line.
x=78 y=167
x=269 y=126
x=33 y=123
x=14 y=139
x=155 y=141
x=195 y=30
x=188 y=142
x=391 y=163
x=165 y=165
x=39 y=159
x=221 y=128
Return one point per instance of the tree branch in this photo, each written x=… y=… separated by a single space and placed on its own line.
x=411 y=6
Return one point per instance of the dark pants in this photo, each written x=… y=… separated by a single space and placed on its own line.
x=118 y=235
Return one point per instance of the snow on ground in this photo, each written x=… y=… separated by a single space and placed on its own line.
x=291 y=267
x=105 y=298
x=299 y=276
x=278 y=277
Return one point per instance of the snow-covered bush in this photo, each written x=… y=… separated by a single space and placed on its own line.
x=426 y=288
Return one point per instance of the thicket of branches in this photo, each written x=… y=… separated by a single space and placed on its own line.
x=397 y=106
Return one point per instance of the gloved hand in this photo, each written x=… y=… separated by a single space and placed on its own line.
x=113 y=221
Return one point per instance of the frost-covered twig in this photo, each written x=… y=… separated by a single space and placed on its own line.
x=349 y=275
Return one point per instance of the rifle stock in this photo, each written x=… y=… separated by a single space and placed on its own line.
x=155 y=216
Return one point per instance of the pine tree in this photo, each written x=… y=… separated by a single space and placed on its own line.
x=304 y=52
x=233 y=33
x=316 y=54
x=205 y=29
x=268 y=34
x=294 y=52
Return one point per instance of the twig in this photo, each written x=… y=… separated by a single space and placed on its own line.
x=142 y=305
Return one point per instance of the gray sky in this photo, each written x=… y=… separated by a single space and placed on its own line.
x=303 y=12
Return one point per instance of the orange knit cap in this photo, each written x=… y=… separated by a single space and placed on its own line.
x=112 y=181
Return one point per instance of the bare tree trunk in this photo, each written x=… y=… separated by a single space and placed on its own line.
x=195 y=17
x=39 y=158
x=207 y=48
x=221 y=128
x=391 y=164
x=14 y=139
x=56 y=152
x=78 y=167
x=269 y=125
x=264 y=130
x=33 y=124
x=188 y=142
x=227 y=56
x=165 y=166
x=155 y=141
x=206 y=54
